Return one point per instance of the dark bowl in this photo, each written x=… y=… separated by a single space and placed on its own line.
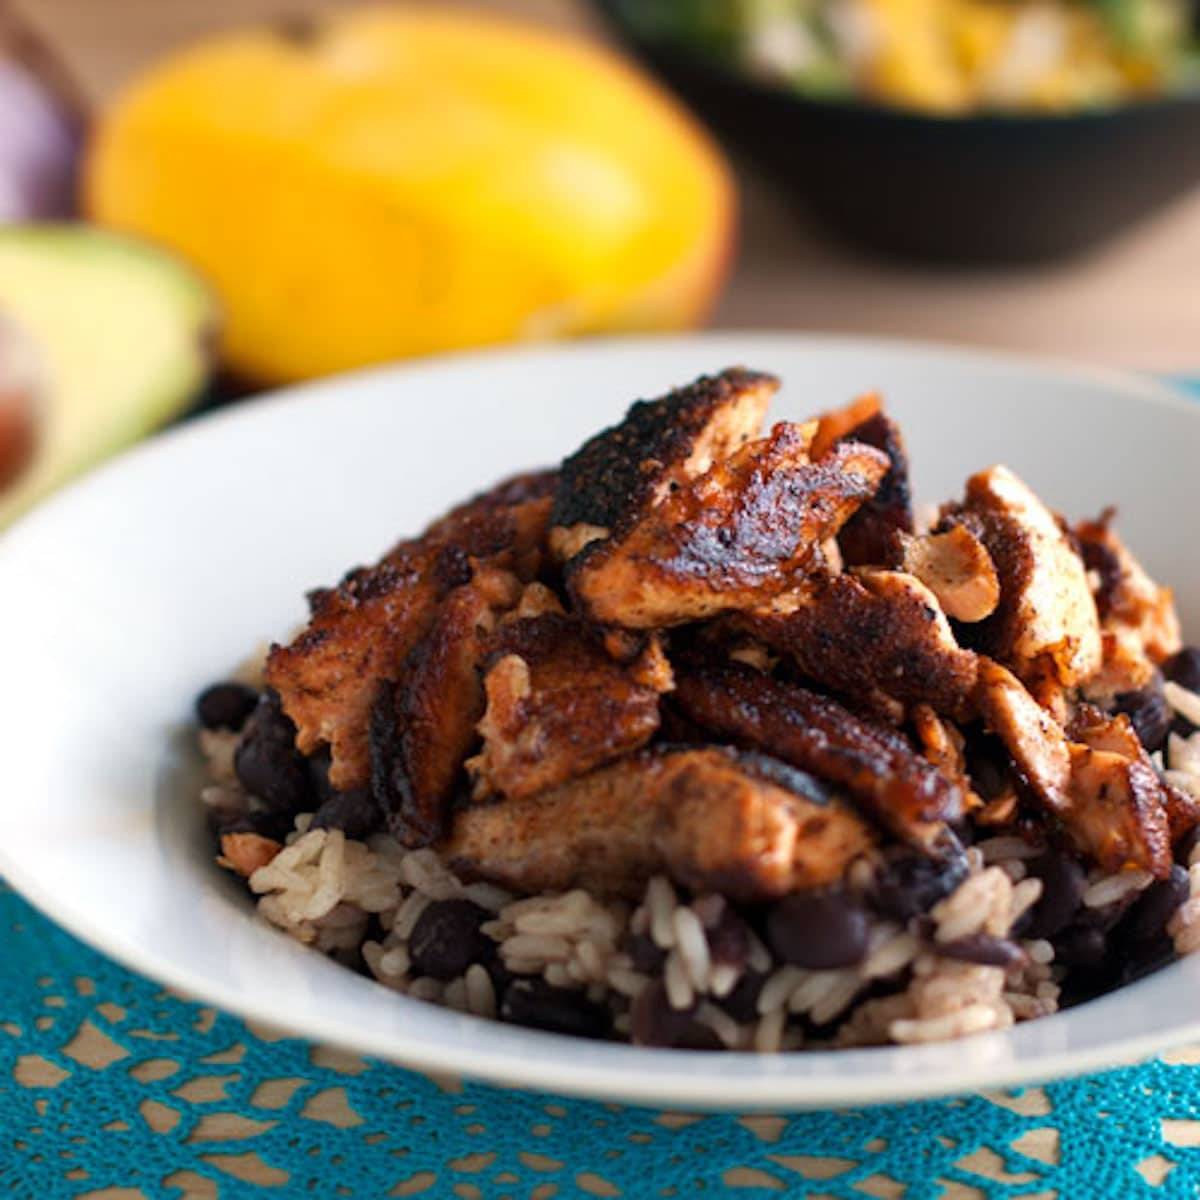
x=995 y=188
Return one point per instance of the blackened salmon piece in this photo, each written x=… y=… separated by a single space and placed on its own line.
x=361 y=632
x=358 y=637
x=874 y=637
x=510 y=519
x=558 y=706
x=1045 y=628
x=1096 y=780
x=620 y=473
x=715 y=820
x=871 y=534
x=873 y=763
x=1139 y=626
x=738 y=536
x=425 y=728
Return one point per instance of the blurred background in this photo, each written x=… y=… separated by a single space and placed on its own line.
x=337 y=186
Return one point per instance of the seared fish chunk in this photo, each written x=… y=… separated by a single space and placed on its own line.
x=714 y=820
x=870 y=536
x=511 y=518
x=621 y=472
x=424 y=726
x=873 y=763
x=557 y=706
x=1098 y=782
x=361 y=631
x=358 y=636
x=734 y=538
x=877 y=637
x=1045 y=628
x=1139 y=626
x=1036 y=742
x=526 y=488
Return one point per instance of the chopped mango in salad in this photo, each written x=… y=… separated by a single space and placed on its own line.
x=946 y=56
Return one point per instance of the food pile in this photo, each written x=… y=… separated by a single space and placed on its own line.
x=702 y=740
x=946 y=56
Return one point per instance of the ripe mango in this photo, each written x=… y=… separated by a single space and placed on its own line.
x=400 y=182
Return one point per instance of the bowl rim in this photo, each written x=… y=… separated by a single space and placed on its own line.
x=555 y=1069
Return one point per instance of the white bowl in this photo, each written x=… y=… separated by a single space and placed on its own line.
x=126 y=594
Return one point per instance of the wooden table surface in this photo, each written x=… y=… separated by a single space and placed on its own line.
x=1134 y=303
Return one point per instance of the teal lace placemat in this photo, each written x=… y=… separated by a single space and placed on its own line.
x=108 y=1082
x=113 y=1089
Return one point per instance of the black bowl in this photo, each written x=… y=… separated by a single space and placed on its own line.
x=989 y=188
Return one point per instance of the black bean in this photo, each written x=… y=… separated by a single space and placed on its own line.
x=984 y=949
x=1182 y=727
x=1186 y=844
x=535 y=1003
x=818 y=930
x=355 y=813
x=653 y=1022
x=447 y=938
x=225 y=706
x=1080 y=946
x=1184 y=668
x=1155 y=906
x=1143 y=958
x=318 y=771
x=267 y=763
x=645 y=953
x=1063 y=883
x=710 y=908
x=729 y=940
x=742 y=1001
x=500 y=975
x=908 y=884
x=699 y=1036
x=1148 y=712
x=268 y=824
x=1105 y=918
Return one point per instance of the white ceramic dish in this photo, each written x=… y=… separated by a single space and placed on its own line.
x=131 y=590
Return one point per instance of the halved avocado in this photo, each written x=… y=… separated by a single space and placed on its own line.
x=116 y=338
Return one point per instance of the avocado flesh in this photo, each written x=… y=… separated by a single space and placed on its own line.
x=122 y=333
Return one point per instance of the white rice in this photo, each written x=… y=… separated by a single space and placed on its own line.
x=325 y=889
x=999 y=849
x=1185 y=703
x=322 y=887
x=692 y=947
x=1111 y=889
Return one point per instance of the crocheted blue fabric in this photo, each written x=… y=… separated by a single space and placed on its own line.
x=109 y=1082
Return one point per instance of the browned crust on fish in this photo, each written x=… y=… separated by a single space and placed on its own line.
x=1097 y=781
x=246 y=852
x=872 y=637
x=1045 y=627
x=361 y=632
x=873 y=763
x=558 y=706
x=736 y=537
x=712 y=819
x=423 y=727
x=872 y=533
x=610 y=481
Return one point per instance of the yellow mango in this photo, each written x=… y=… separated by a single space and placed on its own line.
x=400 y=182
x=914 y=63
